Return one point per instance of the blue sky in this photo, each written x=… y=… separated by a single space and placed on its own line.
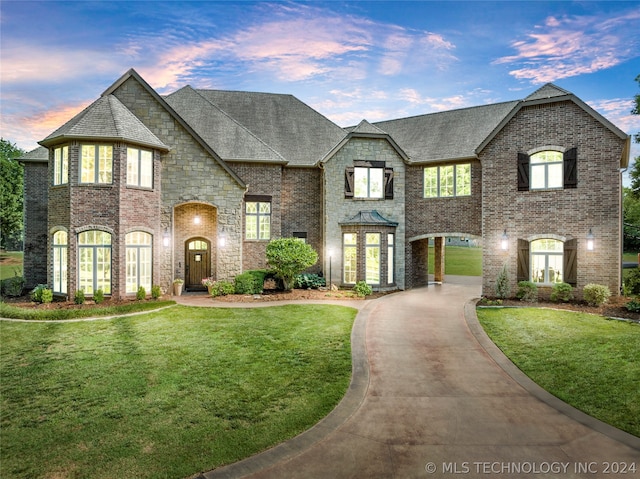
x=347 y=59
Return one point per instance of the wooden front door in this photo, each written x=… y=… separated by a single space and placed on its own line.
x=198 y=263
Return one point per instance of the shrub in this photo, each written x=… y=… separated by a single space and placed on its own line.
x=245 y=283
x=222 y=288
x=527 y=291
x=309 y=281
x=632 y=282
x=98 y=296
x=289 y=257
x=141 y=294
x=259 y=275
x=36 y=293
x=156 y=291
x=562 y=292
x=502 y=284
x=362 y=289
x=79 y=297
x=633 y=305
x=596 y=294
x=47 y=296
x=12 y=286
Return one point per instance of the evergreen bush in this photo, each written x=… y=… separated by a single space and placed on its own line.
x=502 y=284
x=362 y=289
x=527 y=291
x=98 y=296
x=156 y=291
x=222 y=288
x=246 y=283
x=78 y=298
x=141 y=294
x=562 y=292
x=12 y=286
x=596 y=294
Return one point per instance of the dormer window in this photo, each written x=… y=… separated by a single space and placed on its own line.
x=96 y=164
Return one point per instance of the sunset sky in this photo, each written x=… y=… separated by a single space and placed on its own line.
x=347 y=59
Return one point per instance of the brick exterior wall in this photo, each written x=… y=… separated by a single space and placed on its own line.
x=35 y=224
x=564 y=213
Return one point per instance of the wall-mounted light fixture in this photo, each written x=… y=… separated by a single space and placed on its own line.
x=165 y=238
x=591 y=241
x=504 y=242
x=222 y=241
x=196 y=220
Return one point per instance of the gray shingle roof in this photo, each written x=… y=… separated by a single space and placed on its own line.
x=369 y=218
x=547 y=91
x=446 y=135
x=39 y=155
x=299 y=134
x=106 y=118
x=228 y=138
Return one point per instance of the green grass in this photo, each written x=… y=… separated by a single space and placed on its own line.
x=10 y=264
x=459 y=260
x=9 y=311
x=166 y=394
x=585 y=360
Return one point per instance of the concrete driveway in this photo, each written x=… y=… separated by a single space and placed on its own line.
x=432 y=397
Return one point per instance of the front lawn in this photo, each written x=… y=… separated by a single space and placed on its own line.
x=585 y=360
x=459 y=260
x=169 y=393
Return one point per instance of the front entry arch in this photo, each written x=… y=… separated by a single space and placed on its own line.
x=197 y=262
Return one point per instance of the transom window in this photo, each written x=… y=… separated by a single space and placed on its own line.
x=546 y=170
x=96 y=164
x=139 y=261
x=350 y=257
x=61 y=165
x=198 y=245
x=139 y=168
x=546 y=261
x=372 y=258
x=60 y=252
x=258 y=220
x=447 y=181
x=368 y=182
x=94 y=261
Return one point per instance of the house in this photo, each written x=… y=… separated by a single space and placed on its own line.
x=139 y=189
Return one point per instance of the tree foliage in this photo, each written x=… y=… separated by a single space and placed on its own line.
x=289 y=257
x=11 y=193
x=631 y=215
x=634 y=172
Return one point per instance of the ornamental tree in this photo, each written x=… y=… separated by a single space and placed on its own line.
x=289 y=257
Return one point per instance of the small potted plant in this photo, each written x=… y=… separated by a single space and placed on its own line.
x=208 y=283
x=177 y=286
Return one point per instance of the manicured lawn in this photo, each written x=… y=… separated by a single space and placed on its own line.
x=460 y=260
x=10 y=264
x=585 y=360
x=169 y=393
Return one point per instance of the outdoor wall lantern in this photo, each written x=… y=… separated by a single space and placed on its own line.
x=591 y=240
x=165 y=239
x=222 y=241
x=196 y=220
x=504 y=243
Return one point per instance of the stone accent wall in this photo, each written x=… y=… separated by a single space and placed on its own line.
x=340 y=209
x=189 y=174
x=302 y=207
x=562 y=213
x=35 y=223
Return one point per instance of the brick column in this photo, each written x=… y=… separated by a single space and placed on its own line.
x=438 y=259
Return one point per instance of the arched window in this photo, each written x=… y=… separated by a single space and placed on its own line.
x=547 y=261
x=546 y=170
x=94 y=261
x=60 y=252
x=139 y=261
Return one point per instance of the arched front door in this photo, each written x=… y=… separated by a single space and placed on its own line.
x=198 y=263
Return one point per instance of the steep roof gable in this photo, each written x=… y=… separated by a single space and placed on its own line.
x=38 y=155
x=548 y=90
x=106 y=119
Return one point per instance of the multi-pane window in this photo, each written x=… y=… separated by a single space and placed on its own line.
x=368 y=182
x=546 y=261
x=139 y=168
x=139 y=261
x=258 y=220
x=96 y=164
x=61 y=165
x=390 y=259
x=546 y=170
x=60 y=262
x=372 y=258
x=447 y=181
x=350 y=256
x=94 y=261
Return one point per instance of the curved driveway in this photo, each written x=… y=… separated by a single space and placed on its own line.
x=432 y=397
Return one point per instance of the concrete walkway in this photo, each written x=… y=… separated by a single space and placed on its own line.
x=432 y=397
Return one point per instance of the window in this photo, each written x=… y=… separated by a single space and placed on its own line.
x=139 y=261
x=548 y=169
x=447 y=181
x=372 y=258
x=198 y=245
x=350 y=252
x=368 y=182
x=96 y=164
x=61 y=165
x=258 y=220
x=139 y=168
x=390 y=259
x=546 y=261
x=301 y=235
x=60 y=251
x=94 y=261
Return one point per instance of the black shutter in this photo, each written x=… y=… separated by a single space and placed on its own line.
x=348 y=182
x=570 y=262
x=388 y=183
x=523 y=172
x=570 y=159
x=523 y=261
